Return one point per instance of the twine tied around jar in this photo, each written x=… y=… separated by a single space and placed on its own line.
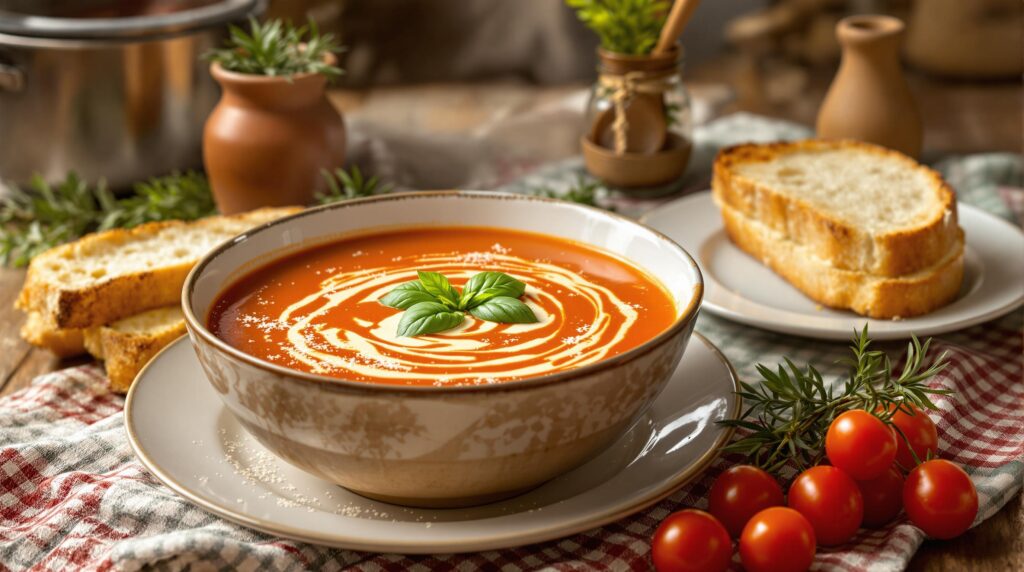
x=624 y=87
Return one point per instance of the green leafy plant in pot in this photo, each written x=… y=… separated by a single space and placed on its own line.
x=273 y=131
x=638 y=115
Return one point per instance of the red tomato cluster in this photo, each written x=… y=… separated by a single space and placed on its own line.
x=827 y=504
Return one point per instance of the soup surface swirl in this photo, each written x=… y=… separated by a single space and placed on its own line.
x=317 y=310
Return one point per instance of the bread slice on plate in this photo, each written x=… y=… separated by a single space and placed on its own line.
x=126 y=346
x=858 y=206
x=867 y=294
x=852 y=225
x=111 y=275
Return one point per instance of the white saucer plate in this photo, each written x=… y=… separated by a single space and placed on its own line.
x=189 y=441
x=738 y=287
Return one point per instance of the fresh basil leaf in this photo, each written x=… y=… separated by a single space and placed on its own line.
x=486 y=285
x=505 y=310
x=407 y=294
x=428 y=318
x=435 y=283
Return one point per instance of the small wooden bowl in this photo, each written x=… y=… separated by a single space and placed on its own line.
x=635 y=170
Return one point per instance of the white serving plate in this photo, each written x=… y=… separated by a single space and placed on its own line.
x=183 y=434
x=738 y=287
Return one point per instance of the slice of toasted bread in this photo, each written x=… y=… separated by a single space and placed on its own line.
x=859 y=206
x=111 y=275
x=63 y=342
x=870 y=295
x=126 y=346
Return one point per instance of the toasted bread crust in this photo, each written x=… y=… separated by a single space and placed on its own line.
x=847 y=247
x=125 y=354
x=63 y=342
x=865 y=294
x=107 y=301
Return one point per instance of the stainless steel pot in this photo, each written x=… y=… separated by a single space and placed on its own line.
x=110 y=89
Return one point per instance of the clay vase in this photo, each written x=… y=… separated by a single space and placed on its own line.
x=869 y=99
x=268 y=139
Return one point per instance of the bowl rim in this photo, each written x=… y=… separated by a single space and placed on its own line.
x=198 y=327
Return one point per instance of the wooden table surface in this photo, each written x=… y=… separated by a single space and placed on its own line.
x=966 y=117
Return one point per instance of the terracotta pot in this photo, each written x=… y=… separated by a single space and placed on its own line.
x=268 y=139
x=869 y=99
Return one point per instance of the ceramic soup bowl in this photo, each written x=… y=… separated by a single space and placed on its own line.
x=442 y=446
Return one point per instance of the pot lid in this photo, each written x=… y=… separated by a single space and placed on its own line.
x=118 y=19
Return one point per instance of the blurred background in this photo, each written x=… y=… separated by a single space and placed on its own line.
x=513 y=61
x=467 y=93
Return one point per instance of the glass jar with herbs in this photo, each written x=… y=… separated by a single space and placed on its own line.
x=638 y=123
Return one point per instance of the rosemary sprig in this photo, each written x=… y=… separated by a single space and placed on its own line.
x=342 y=185
x=789 y=412
x=582 y=191
x=173 y=197
x=277 y=48
x=35 y=220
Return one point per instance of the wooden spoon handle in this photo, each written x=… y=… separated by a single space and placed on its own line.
x=680 y=14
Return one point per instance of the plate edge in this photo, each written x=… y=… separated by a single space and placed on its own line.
x=694 y=471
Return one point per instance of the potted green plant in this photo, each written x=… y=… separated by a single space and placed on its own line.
x=638 y=123
x=274 y=130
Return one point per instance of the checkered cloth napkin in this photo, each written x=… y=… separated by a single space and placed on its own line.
x=72 y=496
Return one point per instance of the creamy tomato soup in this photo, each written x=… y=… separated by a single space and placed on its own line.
x=319 y=310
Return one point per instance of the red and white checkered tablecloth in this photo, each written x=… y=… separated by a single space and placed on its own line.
x=73 y=497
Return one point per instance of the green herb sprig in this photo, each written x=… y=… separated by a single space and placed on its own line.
x=31 y=223
x=433 y=305
x=583 y=192
x=46 y=215
x=278 y=48
x=342 y=186
x=624 y=26
x=789 y=412
x=179 y=196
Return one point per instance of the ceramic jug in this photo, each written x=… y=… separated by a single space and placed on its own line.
x=268 y=139
x=869 y=99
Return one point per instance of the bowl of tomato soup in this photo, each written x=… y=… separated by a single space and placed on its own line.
x=442 y=348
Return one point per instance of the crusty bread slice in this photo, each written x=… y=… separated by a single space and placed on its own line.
x=126 y=346
x=870 y=295
x=63 y=342
x=859 y=206
x=111 y=275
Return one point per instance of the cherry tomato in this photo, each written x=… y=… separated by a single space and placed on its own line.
x=777 y=539
x=860 y=444
x=741 y=492
x=883 y=497
x=940 y=499
x=919 y=430
x=691 y=540
x=830 y=500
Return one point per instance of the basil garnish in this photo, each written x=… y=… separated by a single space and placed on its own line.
x=505 y=310
x=433 y=305
x=486 y=285
x=428 y=318
x=436 y=284
x=405 y=295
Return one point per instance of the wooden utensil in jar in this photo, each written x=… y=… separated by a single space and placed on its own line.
x=645 y=113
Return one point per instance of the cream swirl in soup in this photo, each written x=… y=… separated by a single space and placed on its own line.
x=319 y=310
